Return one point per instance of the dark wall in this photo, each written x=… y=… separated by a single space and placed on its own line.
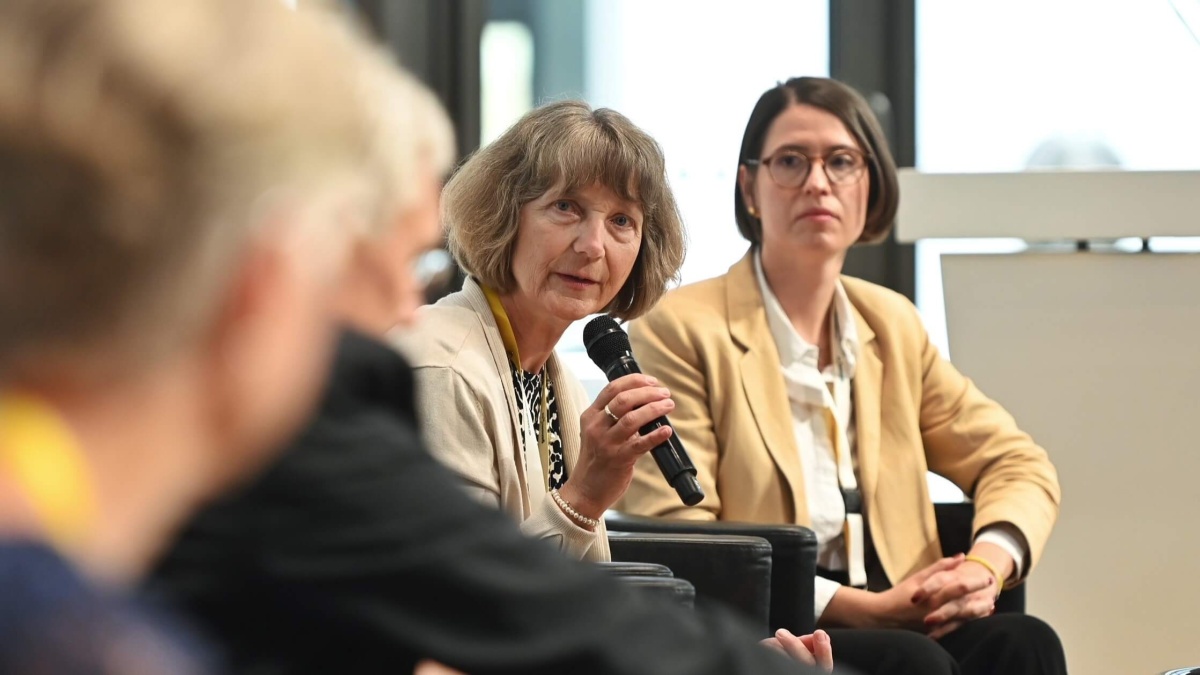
x=872 y=48
x=439 y=41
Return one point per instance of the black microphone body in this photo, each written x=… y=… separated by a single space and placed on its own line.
x=608 y=346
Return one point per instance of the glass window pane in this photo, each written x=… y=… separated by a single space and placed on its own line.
x=1050 y=84
x=687 y=72
x=506 y=76
x=1067 y=82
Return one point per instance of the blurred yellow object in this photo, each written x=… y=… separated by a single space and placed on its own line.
x=41 y=455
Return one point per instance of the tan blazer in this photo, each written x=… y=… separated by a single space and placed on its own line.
x=710 y=344
x=468 y=410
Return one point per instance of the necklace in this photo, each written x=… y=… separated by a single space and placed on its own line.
x=510 y=346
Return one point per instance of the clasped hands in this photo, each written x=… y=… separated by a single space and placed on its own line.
x=942 y=597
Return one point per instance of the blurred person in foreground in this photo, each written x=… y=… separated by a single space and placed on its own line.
x=358 y=552
x=567 y=214
x=805 y=396
x=175 y=180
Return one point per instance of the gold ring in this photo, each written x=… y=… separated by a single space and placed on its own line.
x=610 y=414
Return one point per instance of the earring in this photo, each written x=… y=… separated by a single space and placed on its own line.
x=753 y=211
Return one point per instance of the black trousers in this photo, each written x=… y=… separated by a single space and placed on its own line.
x=1001 y=644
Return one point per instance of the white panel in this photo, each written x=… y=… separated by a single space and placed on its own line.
x=1045 y=206
x=1096 y=356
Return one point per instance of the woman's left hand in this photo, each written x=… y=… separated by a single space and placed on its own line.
x=962 y=594
x=955 y=612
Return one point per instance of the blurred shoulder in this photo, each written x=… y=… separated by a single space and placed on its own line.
x=449 y=334
x=53 y=620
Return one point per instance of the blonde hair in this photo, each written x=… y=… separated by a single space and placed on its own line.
x=142 y=144
x=569 y=145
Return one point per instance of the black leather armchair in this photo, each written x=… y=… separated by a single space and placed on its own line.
x=794 y=555
x=730 y=570
x=652 y=578
x=679 y=591
x=793 y=561
x=620 y=568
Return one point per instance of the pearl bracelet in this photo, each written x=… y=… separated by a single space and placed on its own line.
x=578 y=517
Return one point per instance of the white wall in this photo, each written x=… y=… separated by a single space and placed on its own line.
x=1097 y=356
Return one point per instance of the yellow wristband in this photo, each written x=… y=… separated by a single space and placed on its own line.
x=991 y=568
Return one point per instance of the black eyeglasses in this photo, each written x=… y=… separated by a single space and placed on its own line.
x=789 y=167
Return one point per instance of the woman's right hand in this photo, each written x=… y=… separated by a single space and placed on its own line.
x=609 y=448
x=813 y=650
x=893 y=608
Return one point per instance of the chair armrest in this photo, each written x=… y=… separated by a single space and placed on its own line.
x=674 y=589
x=734 y=571
x=618 y=568
x=956 y=524
x=793 y=560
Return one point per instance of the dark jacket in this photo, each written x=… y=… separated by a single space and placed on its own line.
x=357 y=553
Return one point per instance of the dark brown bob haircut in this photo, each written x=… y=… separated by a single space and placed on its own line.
x=853 y=110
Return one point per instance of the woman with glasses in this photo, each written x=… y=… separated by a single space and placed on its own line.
x=805 y=396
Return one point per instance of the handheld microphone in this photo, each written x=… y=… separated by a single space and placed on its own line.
x=608 y=346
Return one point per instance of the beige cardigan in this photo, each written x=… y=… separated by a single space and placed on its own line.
x=709 y=343
x=468 y=410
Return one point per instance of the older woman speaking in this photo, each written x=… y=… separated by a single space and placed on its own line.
x=567 y=214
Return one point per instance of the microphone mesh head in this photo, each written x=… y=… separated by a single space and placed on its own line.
x=605 y=341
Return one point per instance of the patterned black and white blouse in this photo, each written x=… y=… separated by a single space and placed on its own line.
x=528 y=387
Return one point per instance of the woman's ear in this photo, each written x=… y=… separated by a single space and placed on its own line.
x=746 y=184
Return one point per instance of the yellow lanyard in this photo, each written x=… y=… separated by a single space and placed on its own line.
x=853 y=528
x=42 y=457
x=514 y=355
